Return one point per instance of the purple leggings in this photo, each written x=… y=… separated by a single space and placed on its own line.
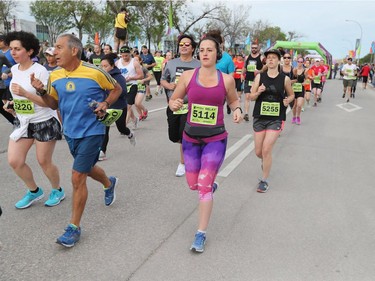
x=202 y=163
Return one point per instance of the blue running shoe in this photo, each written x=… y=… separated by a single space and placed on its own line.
x=29 y=199
x=262 y=187
x=215 y=186
x=199 y=241
x=55 y=197
x=70 y=237
x=109 y=193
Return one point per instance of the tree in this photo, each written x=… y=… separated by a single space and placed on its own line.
x=6 y=7
x=81 y=13
x=53 y=15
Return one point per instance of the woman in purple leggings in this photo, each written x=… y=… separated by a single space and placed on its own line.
x=205 y=138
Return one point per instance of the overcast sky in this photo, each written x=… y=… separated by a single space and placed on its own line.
x=318 y=21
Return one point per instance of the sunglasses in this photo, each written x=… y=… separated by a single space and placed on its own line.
x=300 y=61
x=287 y=58
x=186 y=44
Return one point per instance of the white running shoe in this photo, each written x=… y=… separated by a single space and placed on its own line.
x=180 y=170
x=132 y=139
x=102 y=156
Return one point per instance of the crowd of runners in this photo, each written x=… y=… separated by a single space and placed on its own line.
x=44 y=100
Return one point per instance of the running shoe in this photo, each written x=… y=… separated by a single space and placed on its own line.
x=262 y=187
x=229 y=111
x=246 y=117
x=298 y=121
x=294 y=120
x=180 y=170
x=109 y=193
x=70 y=237
x=353 y=96
x=132 y=139
x=315 y=104
x=55 y=197
x=215 y=186
x=29 y=199
x=145 y=115
x=347 y=100
x=147 y=98
x=140 y=118
x=343 y=95
x=199 y=242
x=102 y=156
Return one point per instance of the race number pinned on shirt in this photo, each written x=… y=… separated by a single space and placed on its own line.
x=317 y=79
x=270 y=108
x=251 y=67
x=24 y=106
x=203 y=114
x=297 y=87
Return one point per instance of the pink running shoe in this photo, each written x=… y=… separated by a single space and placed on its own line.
x=294 y=120
x=298 y=121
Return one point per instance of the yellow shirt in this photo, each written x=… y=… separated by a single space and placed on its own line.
x=120 y=21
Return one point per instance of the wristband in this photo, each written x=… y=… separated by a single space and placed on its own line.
x=41 y=93
x=238 y=108
x=108 y=105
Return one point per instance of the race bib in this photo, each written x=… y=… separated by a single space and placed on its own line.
x=317 y=79
x=251 y=68
x=24 y=106
x=297 y=87
x=141 y=88
x=111 y=116
x=203 y=114
x=251 y=83
x=270 y=108
x=183 y=110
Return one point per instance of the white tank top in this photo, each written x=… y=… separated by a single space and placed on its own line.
x=127 y=70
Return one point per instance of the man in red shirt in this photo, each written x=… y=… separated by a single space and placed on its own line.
x=237 y=75
x=316 y=84
x=365 y=71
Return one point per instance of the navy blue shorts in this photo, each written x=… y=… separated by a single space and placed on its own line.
x=85 y=152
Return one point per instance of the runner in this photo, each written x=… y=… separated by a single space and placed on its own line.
x=148 y=62
x=269 y=113
x=205 y=138
x=169 y=80
x=253 y=65
x=72 y=88
x=238 y=77
x=35 y=122
x=132 y=72
x=141 y=109
x=307 y=83
x=50 y=64
x=349 y=71
x=97 y=56
x=299 y=76
x=365 y=71
x=108 y=65
x=317 y=86
x=157 y=71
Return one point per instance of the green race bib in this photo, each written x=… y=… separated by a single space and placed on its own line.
x=317 y=80
x=203 y=114
x=251 y=83
x=112 y=116
x=183 y=110
x=24 y=106
x=141 y=87
x=297 y=87
x=270 y=108
x=251 y=68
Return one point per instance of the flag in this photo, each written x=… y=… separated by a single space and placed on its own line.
x=295 y=55
x=248 y=40
x=96 y=39
x=170 y=19
x=268 y=44
x=373 y=47
x=352 y=54
x=358 y=47
x=136 y=43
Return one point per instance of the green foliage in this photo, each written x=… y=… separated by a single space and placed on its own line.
x=53 y=15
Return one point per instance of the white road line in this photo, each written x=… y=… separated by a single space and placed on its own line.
x=157 y=109
x=344 y=106
x=234 y=147
x=236 y=161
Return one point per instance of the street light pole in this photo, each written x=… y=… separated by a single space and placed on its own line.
x=360 y=40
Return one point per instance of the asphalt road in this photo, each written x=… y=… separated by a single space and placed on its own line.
x=315 y=223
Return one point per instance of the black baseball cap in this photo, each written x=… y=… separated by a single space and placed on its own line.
x=125 y=49
x=273 y=51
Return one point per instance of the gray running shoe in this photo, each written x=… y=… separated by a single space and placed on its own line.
x=262 y=187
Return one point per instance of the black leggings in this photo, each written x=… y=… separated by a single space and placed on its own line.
x=121 y=127
x=157 y=75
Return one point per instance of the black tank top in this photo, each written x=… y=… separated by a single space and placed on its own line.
x=252 y=61
x=269 y=105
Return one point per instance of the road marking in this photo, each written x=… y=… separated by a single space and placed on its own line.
x=234 y=147
x=348 y=106
x=157 y=109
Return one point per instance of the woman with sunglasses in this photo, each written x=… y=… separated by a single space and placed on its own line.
x=269 y=112
x=205 y=138
x=299 y=74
